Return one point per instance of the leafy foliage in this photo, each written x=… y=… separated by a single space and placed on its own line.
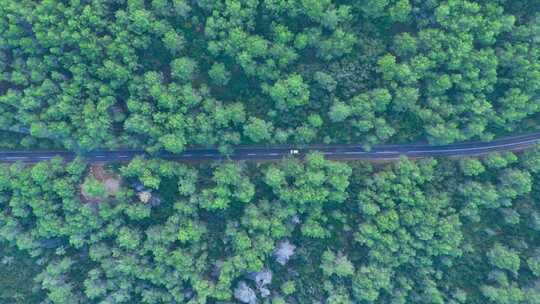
x=165 y=75
x=426 y=231
x=171 y=74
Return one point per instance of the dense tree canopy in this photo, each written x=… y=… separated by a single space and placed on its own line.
x=163 y=74
x=295 y=231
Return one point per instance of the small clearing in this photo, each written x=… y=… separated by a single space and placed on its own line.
x=111 y=182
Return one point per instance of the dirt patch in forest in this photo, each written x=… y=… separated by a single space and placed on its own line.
x=110 y=181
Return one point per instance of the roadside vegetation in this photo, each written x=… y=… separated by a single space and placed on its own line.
x=166 y=75
x=426 y=231
x=170 y=74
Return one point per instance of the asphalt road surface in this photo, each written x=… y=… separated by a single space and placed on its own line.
x=260 y=153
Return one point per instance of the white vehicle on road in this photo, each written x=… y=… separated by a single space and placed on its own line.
x=294 y=152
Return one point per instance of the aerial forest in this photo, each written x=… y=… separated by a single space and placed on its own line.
x=169 y=74
x=166 y=76
x=430 y=231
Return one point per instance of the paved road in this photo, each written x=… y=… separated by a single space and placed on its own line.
x=338 y=152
